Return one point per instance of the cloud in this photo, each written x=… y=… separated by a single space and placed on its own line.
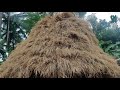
x=104 y=15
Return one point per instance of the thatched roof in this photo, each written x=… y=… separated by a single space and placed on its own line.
x=60 y=46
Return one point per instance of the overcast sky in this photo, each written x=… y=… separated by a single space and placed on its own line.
x=104 y=15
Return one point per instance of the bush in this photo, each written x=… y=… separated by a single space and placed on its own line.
x=1 y=62
x=110 y=48
x=109 y=35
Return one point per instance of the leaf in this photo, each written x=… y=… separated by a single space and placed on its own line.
x=109 y=47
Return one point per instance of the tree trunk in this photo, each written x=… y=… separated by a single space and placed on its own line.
x=0 y=22
x=8 y=29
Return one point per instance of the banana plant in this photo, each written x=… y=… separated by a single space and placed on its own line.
x=111 y=48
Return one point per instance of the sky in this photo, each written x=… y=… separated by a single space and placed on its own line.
x=104 y=15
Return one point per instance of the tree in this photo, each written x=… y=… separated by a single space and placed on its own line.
x=8 y=27
x=15 y=27
x=0 y=20
x=113 y=22
x=31 y=19
x=2 y=51
x=93 y=21
x=81 y=14
x=114 y=18
x=11 y=33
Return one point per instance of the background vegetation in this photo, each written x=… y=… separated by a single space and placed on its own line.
x=15 y=27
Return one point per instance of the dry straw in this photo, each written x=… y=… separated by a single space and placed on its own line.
x=60 y=46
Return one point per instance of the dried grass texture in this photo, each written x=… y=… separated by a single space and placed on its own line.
x=60 y=46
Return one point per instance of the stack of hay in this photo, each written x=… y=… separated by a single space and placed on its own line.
x=60 y=46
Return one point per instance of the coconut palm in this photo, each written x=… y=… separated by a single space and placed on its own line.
x=11 y=31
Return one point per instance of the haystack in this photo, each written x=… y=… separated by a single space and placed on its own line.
x=60 y=46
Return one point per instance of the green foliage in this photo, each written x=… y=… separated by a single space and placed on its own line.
x=93 y=20
x=110 y=48
x=113 y=18
x=12 y=35
x=107 y=35
x=104 y=44
x=15 y=27
x=81 y=14
x=31 y=19
x=102 y=24
x=1 y=62
x=2 y=50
